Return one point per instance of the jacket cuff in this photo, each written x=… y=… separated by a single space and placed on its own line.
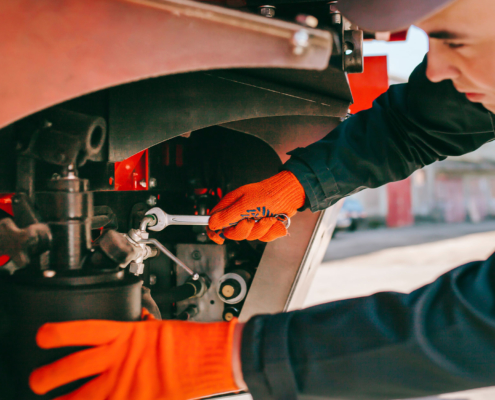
x=317 y=180
x=265 y=358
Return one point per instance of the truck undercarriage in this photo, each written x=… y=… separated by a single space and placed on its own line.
x=114 y=108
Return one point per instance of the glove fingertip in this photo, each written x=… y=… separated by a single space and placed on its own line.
x=278 y=230
x=216 y=237
x=35 y=382
x=44 y=336
x=217 y=221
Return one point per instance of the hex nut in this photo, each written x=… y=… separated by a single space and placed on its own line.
x=151 y=201
x=267 y=11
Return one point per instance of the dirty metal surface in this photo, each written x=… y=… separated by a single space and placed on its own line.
x=286 y=133
x=146 y=113
x=208 y=259
x=62 y=49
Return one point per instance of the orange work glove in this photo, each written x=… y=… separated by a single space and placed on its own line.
x=248 y=212
x=146 y=360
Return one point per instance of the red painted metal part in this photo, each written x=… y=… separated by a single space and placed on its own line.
x=366 y=87
x=55 y=50
x=6 y=205
x=398 y=36
x=132 y=174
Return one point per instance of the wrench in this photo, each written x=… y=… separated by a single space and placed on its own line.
x=163 y=219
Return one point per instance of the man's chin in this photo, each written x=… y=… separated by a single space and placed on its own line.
x=489 y=106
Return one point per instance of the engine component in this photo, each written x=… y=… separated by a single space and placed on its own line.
x=230 y=313
x=52 y=301
x=67 y=207
x=233 y=286
x=208 y=260
x=61 y=137
x=22 y=244
x=140 y=252
x=190 y=289
x=76 y=280
x=189 y=313
x=194 y=275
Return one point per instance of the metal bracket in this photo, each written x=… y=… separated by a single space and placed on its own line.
x=353 y=51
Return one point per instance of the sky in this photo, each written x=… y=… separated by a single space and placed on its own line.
x=403 y=57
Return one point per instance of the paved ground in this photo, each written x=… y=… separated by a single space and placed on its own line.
x=349 y=244
x=366 y=262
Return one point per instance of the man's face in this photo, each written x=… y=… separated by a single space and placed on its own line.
x=462 y=48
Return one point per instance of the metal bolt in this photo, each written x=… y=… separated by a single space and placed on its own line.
x=300 y=41
x=142 y=182
x=55 y=177
x=151 y=201
x=152 y=279
x=334 y=13
x=267 y=11
x=201 y=237
x=152 y=182
x=307 y=20
x=49 y=273
x=196 y=255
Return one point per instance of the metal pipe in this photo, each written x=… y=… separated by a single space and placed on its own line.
x=146 y=222
x=195 y=276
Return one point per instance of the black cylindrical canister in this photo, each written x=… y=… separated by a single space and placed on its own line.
x=30 y=306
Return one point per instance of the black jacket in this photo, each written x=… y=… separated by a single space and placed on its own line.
x=438 y=339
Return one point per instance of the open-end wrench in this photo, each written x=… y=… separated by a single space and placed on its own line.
x=162 y=219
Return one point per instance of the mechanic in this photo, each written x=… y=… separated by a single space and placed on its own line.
x=440 y=338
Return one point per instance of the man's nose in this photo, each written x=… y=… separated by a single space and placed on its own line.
x=440 y=64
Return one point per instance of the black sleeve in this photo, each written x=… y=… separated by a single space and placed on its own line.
x=408 y=127
x=438 y=339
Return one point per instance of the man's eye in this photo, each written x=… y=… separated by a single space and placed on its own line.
x=455 y=45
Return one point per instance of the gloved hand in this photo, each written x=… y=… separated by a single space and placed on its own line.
x=247 y=212
x=146 y=360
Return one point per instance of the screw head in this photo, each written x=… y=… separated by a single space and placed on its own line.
x=307 y=20
x=300 y=41
x=196 y=255
x=152 y=182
